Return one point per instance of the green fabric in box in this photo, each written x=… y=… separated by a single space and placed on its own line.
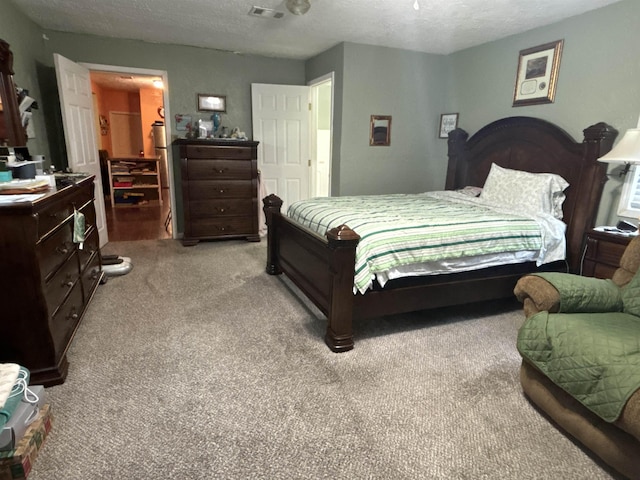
x=12 y=402
x=595 y=357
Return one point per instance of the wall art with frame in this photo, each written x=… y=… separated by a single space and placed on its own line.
x=448 y=122
x=212 y=103
x=537 y=74
x=380 y=130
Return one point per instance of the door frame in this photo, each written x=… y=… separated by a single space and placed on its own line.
x=313 y=140
x=96 y=67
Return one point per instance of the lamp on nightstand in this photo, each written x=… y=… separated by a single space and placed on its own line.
x=626 y=151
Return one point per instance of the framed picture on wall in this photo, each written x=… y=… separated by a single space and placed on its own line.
x=537 y=74
x=380 y=130
x=183 y=122
x=448 y=122
x=212 y=103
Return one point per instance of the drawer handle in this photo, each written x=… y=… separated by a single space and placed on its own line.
x=221 y=210
x=95 y=274
x=221 y=190
x=62 y=250
x=68 y=283
x=73 y=315
x=220 y=170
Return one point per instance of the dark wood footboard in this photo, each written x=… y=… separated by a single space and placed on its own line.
x=323 y=268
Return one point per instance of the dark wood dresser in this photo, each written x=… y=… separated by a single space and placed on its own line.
x=47 y=281
x=603 y=252
x=219 y=189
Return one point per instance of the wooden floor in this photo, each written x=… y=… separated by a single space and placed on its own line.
x=138 y=223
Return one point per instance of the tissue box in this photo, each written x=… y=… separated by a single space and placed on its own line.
x=17 y=464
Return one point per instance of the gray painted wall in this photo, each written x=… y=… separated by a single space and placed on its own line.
x=410 y=87
x=597 y=82
x=598 y=79
x=190 y=70
x=25 y=40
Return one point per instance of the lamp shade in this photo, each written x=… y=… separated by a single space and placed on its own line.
x=627 y=150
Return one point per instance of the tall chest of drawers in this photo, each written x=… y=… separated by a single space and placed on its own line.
x=219 y=189
x=47 y=281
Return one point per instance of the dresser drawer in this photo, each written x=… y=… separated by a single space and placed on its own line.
x=206 y=189
x=217 y=170
x=55 y=250
x=605 y=252
x=56 y=213
x=91 y=246
x=211 y=151
x=60 y=284
x=223 y=207
x=66 y=319
x=90 y=276
x=89 y=213
x=208 y=227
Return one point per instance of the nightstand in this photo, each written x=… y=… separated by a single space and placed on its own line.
x=603 y=252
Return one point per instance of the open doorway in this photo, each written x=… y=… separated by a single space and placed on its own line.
x=137 y=181
x=321 y=135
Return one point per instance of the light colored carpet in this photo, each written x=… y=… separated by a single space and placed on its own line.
x=198 y=365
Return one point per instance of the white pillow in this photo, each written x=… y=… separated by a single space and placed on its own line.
x=524 y=191
x=470 y=190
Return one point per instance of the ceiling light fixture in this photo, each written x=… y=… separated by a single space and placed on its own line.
x=298 y=7
x=416 y=5
x=158 y=84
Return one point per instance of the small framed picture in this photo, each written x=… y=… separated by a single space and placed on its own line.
x=183 y=122
x=537 y=74
x=212 y=103
x=448 y=122
x=380 y=130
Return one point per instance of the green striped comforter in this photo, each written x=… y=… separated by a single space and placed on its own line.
x=403 y=229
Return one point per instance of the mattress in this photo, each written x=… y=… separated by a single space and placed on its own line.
x=431 y=233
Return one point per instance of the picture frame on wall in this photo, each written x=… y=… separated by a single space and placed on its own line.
x=212 y=103
x=537 y=74
x=183 y=122
x=448 y=122
x=380 y=131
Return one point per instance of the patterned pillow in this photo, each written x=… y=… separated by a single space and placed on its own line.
x=527 y=192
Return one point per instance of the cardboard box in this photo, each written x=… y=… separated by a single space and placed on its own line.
x=17 y=464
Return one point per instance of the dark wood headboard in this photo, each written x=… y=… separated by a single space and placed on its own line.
x=538 y=146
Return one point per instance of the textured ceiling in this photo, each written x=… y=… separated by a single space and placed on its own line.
x=123 y=81
x=438 y=26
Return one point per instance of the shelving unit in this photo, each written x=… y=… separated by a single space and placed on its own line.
x=135 y=182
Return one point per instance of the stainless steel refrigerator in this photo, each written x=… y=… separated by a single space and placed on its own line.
x=160 y=144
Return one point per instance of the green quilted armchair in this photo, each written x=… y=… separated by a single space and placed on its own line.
x=580 y=347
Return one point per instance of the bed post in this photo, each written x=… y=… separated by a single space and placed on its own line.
x=598 y=140
x=342 y=245
x=272 y=205
x=456 y=145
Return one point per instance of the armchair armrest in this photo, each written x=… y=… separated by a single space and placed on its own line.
x=563 y=292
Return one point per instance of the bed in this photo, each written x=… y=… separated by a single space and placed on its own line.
x=323 y=266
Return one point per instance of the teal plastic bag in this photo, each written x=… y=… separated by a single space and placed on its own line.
x=78 y=228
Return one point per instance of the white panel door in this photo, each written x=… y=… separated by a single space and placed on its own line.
x=76 y=104
x=281 y=125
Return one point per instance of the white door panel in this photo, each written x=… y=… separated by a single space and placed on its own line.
x=76 y=104
x=281 y=125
